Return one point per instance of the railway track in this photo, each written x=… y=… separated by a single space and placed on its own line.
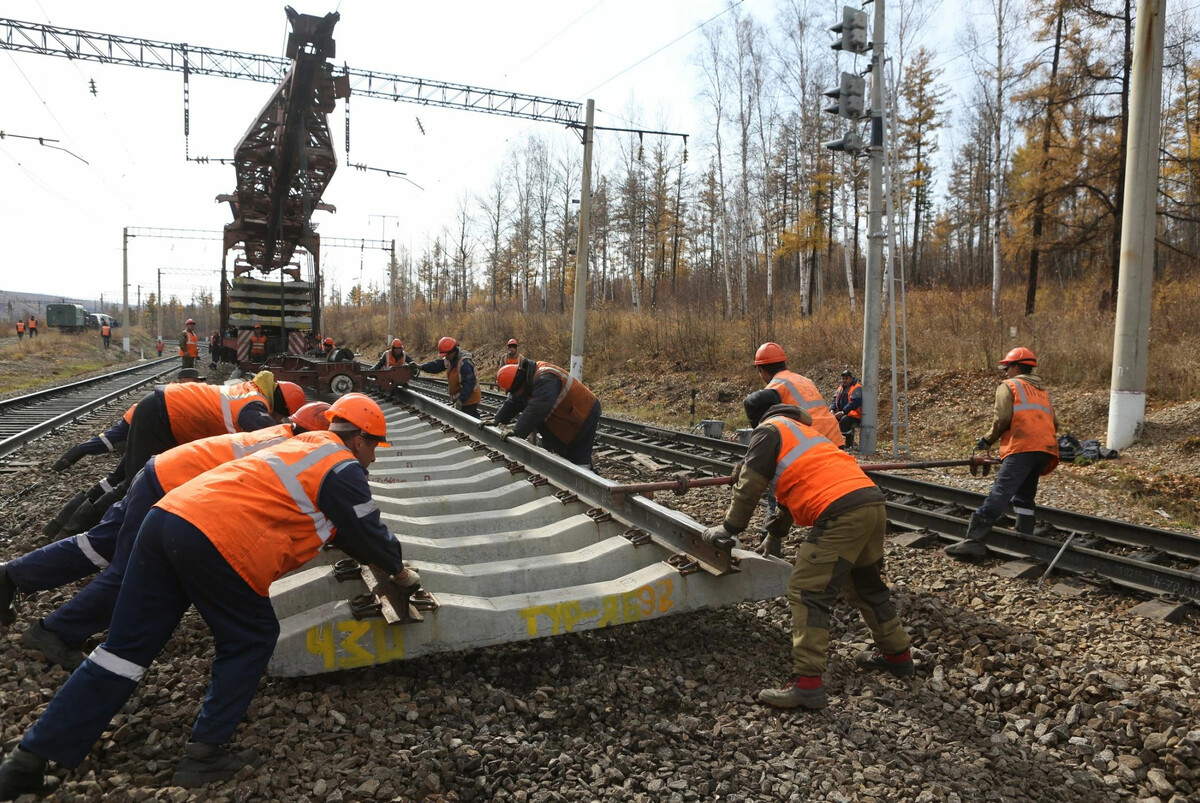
x=1096 y=550
x=24 y=418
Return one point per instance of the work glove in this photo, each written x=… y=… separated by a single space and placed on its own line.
x=770 y=546
x=456 y=404
x=714 y=534
x=485 y=421
x=506 y=432
x=407 y=579
x=982 y=444
x=413 y=370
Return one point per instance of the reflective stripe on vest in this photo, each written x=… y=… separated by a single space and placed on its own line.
x=289 y=475
x=454 y=381
x=804 y=442
x=1032 y=425
x=197 y=410
x=572 y=406
x=811 y=473
x=176 y=466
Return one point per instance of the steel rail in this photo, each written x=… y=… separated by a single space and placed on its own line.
x=93 y=393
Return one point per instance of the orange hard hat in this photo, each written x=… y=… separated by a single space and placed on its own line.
x=293 y=395
x=329 y=341
x=513 y=342
x=1019 y=356
x=256 y=326
x=189 y=322
x=447 y=345
x=505 y=377
x=769 y=354
x=311 y=416
x=363 y=412
x=396 y=344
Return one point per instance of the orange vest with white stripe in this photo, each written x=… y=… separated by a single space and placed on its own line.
x=198 y=410
x=258 y=345
x=800 y=391
x=810 y=472
x=572 y=406
x=261 y=513
x=176 y=466
x=1032 y=427
x=191 y=345
x=454 y=383
x=390 y=360
x=512 y=360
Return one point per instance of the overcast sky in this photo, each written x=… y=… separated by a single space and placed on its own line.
x=62 y=218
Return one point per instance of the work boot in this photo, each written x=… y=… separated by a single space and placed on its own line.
x=40 y=638
x=771 y=546
x=204 y=763
x=974 y=546
x=8 y=591
x=1025 y=524
x=899 y=664
x=23 y=773
x=63 y=516
x=88 y=514
x=798 y=692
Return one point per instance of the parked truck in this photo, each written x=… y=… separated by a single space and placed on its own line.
x=67 y=317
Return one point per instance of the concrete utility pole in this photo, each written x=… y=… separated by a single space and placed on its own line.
x=581 y=247
x=1131 y=337
x=383 y=219
x=873 y=283
x=158 y=312
x=125 y=288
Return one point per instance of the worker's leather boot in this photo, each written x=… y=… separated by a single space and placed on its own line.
x=63 y=516
x=1025 y=524
x=795 y=695
x=770 y=546
x=974 y=546
x=8 y=591
x=44 y=640
x=23 y=773
x=88 y=515
x=204 y=763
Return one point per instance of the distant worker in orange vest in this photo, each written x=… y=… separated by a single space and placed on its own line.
x=796 y=389
x=217 y=543
x=33 y=326
x=180 y=413
x=159 y=347
x=512 y=356
x=396 y=356
x=1026 y=426
x=818 y=486
x=546 y=399
x=106 y=334
x=105 y=548
x=461 y=381
x=847 y=406
x=20 y=328
x=189 y=344
x=258 y=345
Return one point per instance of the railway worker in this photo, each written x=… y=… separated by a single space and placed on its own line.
x=110 y=440
x=797 y=390
x=184 y=412
x=106 y=547
x=327 y=346
x=1026 y=427
x=214 y=349
x=106 y=334
x=32 y=326
x=20 y=328
x=512 y=356
x=461 y=380
x=158 y=346
x=258 y=345
x=822 y=487
x=218 y=542
x=546 y=399
x=847 y=406
x=189 y=344
x=395 y=356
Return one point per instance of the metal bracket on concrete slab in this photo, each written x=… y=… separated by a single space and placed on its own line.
x=637 y=537
x=347 y=569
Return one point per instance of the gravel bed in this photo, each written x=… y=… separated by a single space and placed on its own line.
x=1021 y=694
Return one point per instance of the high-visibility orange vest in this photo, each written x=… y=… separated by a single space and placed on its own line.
x=572 y=406
x=801 y=392
x=198 y=410
x=512 y=360
x=390 y=360
x=454 y=384
x=129 y=413
x=811 y=473
x=105 y=331
x=192 y=345
x=261 y=513
x=32 y=322
x=857 y=411
x=258 y=345
x=1032 y=427
x=20 y=327
x=176 y=466
x=159 y=344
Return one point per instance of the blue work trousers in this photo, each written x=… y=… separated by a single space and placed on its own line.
x=89 y=612
x=579 y=450
x=173 y=566
x=1016 y=482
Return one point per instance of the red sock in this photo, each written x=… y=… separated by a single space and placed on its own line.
x=899 y=658
x=804 y=682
